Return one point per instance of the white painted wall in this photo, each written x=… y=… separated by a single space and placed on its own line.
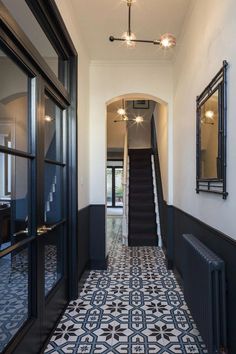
x=139 y=135
x=115 y=131
x=72 y=23
x=113 y=79
x=161 y=122
x=208 y=38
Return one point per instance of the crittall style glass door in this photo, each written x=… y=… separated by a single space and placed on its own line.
x=36 y=197
x=114 y=187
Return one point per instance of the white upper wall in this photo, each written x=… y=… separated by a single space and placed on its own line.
x=208 y=38
x=71 y=21
x=139 y=135
x=109 y=80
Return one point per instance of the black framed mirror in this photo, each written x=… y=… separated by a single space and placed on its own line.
x=211 y=136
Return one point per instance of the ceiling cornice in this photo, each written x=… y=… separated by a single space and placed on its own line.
x=125 y=63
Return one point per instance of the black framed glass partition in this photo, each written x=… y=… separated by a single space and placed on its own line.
x=38 y=173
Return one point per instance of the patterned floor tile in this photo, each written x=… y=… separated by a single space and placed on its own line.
x=135 y=306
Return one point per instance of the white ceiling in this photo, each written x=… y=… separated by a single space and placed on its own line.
x=98 y=19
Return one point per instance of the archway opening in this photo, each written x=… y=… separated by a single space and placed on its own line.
x=125 y=133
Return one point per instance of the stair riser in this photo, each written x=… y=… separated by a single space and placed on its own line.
x=141 y=189
x=142 y=230
x=142 y=216
x=143 y=220
x=142 y=209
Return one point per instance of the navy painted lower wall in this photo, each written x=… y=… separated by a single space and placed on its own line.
x=223 y=246
x=83 y=240
x=91 y=238
x=97 y=237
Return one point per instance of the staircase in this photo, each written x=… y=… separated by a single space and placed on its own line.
x=142 y=216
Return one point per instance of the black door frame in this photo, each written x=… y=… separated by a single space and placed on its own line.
x=18 y=47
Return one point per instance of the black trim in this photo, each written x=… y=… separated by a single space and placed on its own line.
x=222 y=245
x=14 y=152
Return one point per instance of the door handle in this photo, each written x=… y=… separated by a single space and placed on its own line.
x=20 y=233
x=44 y=229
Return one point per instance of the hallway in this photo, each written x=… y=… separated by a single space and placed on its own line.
x=136 y=306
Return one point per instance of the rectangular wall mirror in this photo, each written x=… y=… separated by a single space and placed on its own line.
x=211 y=136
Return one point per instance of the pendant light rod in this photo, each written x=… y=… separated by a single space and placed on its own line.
x=155 y=42
x=129 y=18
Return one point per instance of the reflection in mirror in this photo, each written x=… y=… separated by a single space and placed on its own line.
x=53 y=192
x=13 y=200
x=13 y=105
x=14 y=294
x=53 y=259
x=53 y=131
x=209 y=138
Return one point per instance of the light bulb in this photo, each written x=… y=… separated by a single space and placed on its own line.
x=48 y=118
x=129 y=39
x=209 y=114
x=125 y=117
x=121 y=111
x=167 y=40
x=139 y=119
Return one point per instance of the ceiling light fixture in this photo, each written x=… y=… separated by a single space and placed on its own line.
x=121 y=111
x=139 y=119
x=124 y=118
x=166 y=41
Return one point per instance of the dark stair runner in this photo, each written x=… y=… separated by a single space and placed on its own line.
x=142 y=215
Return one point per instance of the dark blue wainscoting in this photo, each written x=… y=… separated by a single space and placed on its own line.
x=97 y=237
x=83 y=240
x=219 y=243
x=92 y=238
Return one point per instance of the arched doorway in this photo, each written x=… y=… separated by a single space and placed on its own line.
x=117 y=142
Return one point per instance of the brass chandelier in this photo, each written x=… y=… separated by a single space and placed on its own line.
x=167 y=40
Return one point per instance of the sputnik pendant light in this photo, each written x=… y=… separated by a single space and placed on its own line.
x=167 y=40
x=124 y=118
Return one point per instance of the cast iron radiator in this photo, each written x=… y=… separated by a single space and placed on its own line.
x=204 y=292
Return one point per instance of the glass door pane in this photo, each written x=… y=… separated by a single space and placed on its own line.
x=14 y=294
x=118 y=187
x=109 y=187
x=53 y=131
x=14 y=199
x=54 y=199
x=14 y=103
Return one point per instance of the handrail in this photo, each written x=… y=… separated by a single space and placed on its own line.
x=125 y=191
x=156 y=201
